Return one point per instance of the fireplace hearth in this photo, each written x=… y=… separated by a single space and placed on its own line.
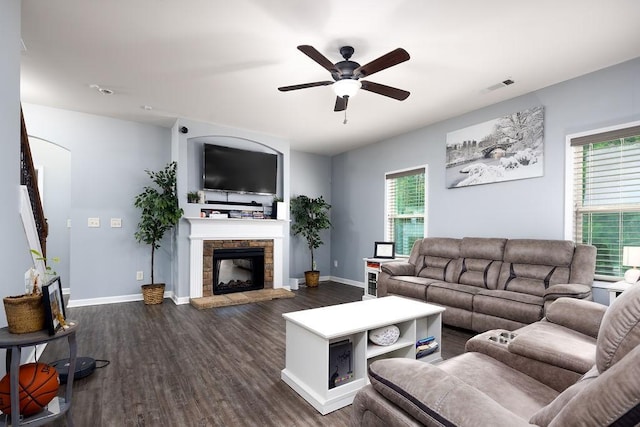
x=238 y=270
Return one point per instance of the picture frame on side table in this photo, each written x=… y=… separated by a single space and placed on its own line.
x=384 y=250
x=54 y=315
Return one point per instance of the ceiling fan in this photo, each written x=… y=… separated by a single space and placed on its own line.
x=347 y=74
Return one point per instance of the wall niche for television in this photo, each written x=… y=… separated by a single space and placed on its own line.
x=248 y=170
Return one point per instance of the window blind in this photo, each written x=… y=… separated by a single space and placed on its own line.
x=405 y=194
x=606 y=195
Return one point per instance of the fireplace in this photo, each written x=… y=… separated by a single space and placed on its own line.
x=206 y=235
x=238 y=270
x=248 y=256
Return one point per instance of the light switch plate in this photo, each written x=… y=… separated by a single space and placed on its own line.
x=116 y=222
x=93 y=222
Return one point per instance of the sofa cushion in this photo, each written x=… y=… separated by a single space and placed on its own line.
x=479 y=263
x=545 y=415
x=435 y=267
x=613 y=398
x=433 y=397
x=408 y=286
x=557 y=253
x=531 y=279
x=515 y=391
x=452 y=294
x=483 y=248
x=556 y=345
x=523 y=308
x=620 y=329
x=531 y=266
x=435 y=257
x=373 y=410
x=579 y=315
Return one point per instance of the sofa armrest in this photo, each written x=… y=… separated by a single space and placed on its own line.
x=398 y=268
x=433 y=397
x=572 y=290
x=579 y=315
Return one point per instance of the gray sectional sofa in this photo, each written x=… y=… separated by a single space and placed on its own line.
x=491 y=283
x=486 y=386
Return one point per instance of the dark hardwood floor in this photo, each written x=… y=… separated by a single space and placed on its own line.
x=178 y=366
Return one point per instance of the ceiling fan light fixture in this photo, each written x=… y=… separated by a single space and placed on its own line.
x=346 y=87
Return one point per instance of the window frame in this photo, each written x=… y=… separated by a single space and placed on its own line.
x=387 y=236
x=569 y=213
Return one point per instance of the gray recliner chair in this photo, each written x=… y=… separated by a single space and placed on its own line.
x=475 y=389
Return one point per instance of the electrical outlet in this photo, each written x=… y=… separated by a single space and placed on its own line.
x=335 y=263
x=139 y=275
x=93 y=222
x=116 y=222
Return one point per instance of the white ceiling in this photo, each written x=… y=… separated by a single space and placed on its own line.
x=222 y=61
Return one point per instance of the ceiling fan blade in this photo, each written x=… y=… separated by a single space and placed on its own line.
x=389 y=91
x=312 y=53
x=341 y=103
x=304 y=86
x=385 y=61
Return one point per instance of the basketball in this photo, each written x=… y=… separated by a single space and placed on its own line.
x=39 y=384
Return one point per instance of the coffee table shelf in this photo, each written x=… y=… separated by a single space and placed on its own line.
x=309 y=333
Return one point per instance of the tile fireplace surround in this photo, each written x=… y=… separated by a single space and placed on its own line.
x=234 y=232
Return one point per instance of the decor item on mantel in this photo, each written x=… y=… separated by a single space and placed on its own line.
x=277 y=208
x=193 y=197
x=310 y=216
x=160 y=213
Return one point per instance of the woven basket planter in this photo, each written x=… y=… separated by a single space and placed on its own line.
x=311 y=278
x=153 y=294
x=25 y=313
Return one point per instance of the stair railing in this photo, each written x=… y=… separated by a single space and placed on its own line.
x=29 y=179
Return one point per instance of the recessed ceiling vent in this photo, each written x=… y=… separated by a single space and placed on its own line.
x=496 y=86
x=102 y=90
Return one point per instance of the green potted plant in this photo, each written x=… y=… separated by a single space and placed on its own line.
x=160 y=213
x=277 y=201
x=193 y=197
x=310 y=216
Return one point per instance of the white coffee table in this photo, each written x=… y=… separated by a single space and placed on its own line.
x=310 y=332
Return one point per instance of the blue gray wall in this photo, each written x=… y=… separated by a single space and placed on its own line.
x=53 y=164
x=310 y=176
x=530 y=208
x=108 y=159
x=14 y=250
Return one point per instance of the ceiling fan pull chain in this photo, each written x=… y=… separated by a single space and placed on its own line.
x=345 y=118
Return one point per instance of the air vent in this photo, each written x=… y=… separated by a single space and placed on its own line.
x=102 y=90
x=496 y=86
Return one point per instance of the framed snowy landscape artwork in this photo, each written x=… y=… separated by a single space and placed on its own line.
x=507 y=148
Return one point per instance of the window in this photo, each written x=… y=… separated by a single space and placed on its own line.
x=606 y=195
x=405 y=213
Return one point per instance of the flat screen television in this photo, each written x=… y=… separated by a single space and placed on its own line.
x=237 y=170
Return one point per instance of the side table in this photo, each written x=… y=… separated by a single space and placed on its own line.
x=613 y=289
x=371 y=272
x=59 y=406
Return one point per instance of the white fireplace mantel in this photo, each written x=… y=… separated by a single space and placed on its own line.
x=233 y=229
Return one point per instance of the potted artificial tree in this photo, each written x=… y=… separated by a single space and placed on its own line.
x=310 y=216
x=160 y=213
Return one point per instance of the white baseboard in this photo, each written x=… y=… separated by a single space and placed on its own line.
x=117 y=299
x=347 y=281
